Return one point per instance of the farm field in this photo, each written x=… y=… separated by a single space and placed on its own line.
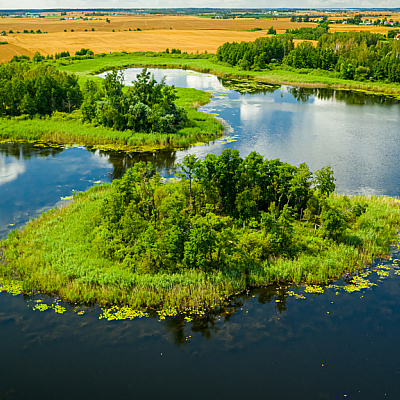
x=188 y=33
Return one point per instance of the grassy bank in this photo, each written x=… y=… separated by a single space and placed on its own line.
x=63 y=128
x=54 y=255
x=207 y=64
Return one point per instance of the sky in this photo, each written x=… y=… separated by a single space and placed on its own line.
x=43 y=4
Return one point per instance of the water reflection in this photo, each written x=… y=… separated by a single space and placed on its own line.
x=163 y=161
x=262 y=336
x=25 y=151
x=9 y=171
x=349 y=97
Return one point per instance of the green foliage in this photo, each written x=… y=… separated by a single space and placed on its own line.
x=257 y=54
x=139 y=242
x=84 y=52
x=324 y=181
x=147 y=106
x=353 y=55
x=29 y=90
x=306 y=33
x=222 y=209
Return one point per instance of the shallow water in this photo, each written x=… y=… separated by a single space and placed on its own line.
x=265 y=343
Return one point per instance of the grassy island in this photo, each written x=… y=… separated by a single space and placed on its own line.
x=223 y=225
x=41 y=103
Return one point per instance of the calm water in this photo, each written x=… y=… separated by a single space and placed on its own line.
x=265 y=344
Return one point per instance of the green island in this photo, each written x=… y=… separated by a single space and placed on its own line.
x=221 y=226
x=42 y=103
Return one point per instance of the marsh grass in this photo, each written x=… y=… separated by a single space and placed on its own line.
x=68 y=129
x=54 y=255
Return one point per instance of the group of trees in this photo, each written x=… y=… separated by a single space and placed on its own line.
x=147 y=106
x=224 y=212
x=306 y=33
x=25 y=89
x=257 y=54
x=353 y=55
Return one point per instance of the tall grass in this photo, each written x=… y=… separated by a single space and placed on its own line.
x=54 y=255
x=67 y=129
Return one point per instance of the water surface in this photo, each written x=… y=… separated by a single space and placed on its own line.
x=265 y=344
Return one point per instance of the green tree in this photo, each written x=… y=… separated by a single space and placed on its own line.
x=324 y=181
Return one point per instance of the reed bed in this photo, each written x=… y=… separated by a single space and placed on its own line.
x=52 y=255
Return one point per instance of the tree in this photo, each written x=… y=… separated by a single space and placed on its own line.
x=324 y=181
x=189 y=169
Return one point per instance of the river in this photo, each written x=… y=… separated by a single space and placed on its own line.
x=265 y=343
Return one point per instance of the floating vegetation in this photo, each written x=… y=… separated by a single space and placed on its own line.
x=67 y=198
x=11 y=286
x=58 y=309
x=357 y=284
x=40 y=306
x=296 y=295
x=121 y=313
x=314 y=289
x=228 y=139
x=243 y=86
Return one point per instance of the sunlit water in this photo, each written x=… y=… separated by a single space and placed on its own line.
x=266 y=344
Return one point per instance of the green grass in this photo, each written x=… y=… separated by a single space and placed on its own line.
x=53 y=255
x=67 y=129
x=207 y=64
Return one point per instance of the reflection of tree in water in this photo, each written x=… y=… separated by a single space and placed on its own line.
x=301 y=94
x=349 y=97
x=162 y=160
x=28 y=150
x=205 y=325
x=208 y=325
x=247 y=86
x=276 y=294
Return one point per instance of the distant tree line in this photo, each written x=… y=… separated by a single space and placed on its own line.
x=306 y=33
x=352 y=55
x=147 y=106
x=257 y=54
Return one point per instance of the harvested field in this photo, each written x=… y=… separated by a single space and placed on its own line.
x=157 y=33
x=126 y=22
x=188 y=33
x=8 y=51
x=105 y=42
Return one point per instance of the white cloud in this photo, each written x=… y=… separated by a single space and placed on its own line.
x=10 y=171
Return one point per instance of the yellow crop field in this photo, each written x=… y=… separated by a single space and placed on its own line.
x=156 y=33
x=188 y=33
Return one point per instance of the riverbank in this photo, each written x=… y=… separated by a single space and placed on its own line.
x=67 y=129
x=206 y=63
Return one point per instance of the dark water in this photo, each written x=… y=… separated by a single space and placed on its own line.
x=265 y=344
